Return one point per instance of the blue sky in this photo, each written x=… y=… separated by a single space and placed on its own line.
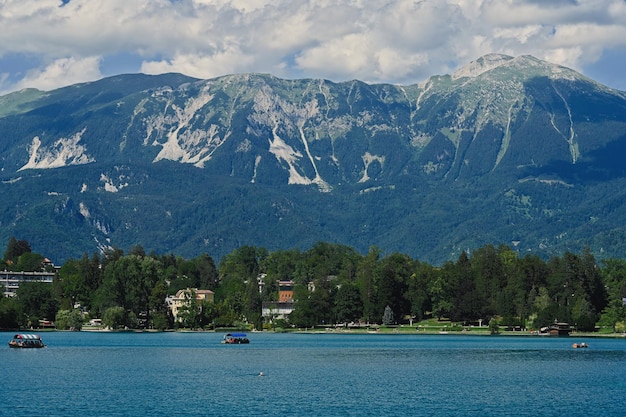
x=48 y=44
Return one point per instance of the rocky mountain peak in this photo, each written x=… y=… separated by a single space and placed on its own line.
x=521 y=67
x=481 y=65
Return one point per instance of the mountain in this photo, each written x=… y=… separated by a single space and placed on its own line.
x=509 y=150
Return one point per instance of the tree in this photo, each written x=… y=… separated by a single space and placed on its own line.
x=15 y=248
x=160 y=321
x=388 y=317
x=327 y=259
x=486 y=280
x=303 y=314
x=70 y=282
x=393 y=275
x=91 y=271
x=322 y=301
x=9 y=313
x=161 y=316
x=198 y=314
x=614 y=316
x=524 y=276
x=493 y=282
x=242 y=263
x=493 y=326
x=206 y=274
x=111 y=255
x=348 y=304
x=582 y=313
x=238 y=272
x=38 y=302
x=208 y=314
x=283 y=265
x=138 y=251
x=189 y=314
x=592 y=283
x=142 y=287
x=365 y=277
x=417 y=292
x=29 y=261
x=442 y=290
x=614 y=278
x=118 y=277
x=69 y=320
x=114 y=317
x=252 y=304
x=468 y=300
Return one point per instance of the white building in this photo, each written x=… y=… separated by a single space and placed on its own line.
x=11 y=280
x=284 y=306
x=183 y=299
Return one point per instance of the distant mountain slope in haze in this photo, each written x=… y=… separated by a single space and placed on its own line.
x=505 y=150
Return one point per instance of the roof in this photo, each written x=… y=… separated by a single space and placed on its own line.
x=180 y=294
x=26 y=336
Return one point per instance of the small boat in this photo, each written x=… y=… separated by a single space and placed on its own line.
x=26 y=341
x=580 y=345
x=235 y=339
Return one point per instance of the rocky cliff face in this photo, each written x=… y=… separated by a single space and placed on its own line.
x=490 y=154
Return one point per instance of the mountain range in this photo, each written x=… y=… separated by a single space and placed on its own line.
x=510 y=150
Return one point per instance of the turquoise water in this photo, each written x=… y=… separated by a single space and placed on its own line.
x=180 y=374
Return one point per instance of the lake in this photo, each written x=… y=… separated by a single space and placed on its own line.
x=183 y=374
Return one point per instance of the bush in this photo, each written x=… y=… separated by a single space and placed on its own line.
x=281 y=323
x=494 y=328
x=160 y=321
x=69 y=320
x=114 y=317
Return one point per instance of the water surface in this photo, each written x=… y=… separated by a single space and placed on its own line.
x=180 y=374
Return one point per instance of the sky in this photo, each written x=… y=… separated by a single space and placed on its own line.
x=47 y=44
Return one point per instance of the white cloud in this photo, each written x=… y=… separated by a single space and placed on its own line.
x=63 y=71
x=399 y=41
x=226 y=61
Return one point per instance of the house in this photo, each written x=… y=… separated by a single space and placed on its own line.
x=559 y=329
x=272 y=310
x=556 y=329
x=285 y=291
x=280 y=309
x=183 y=299
x=11 y=280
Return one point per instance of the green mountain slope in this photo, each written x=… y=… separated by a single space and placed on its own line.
x=506 y=150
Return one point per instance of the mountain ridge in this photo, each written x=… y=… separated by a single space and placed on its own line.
x=381 y=163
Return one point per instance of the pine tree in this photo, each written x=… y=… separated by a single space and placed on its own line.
x=388 y=316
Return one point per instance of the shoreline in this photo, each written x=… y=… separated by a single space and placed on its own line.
x=460 y=333
x=346 y=331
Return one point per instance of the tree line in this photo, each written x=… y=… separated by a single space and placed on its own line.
x=332 y=284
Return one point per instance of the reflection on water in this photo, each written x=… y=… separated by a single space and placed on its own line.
x=132 y=374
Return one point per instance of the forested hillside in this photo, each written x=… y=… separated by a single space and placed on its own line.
x=510 y=150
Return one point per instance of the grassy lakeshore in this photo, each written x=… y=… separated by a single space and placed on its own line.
x=373 y=330
x=484 y=331
x=433 y=326
x=424 y=327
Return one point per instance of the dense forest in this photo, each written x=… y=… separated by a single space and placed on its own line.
x=332 y=284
